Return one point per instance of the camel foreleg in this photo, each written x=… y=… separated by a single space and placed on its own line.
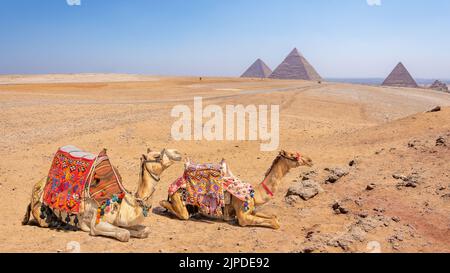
x=245 y=220
x=250 y=218
x=36 y=203
x=263 y=215
x=176 y=206
x=108 y=230
x=140 y=232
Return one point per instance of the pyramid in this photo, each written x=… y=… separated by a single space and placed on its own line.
x=400 y=77
x=295 y=67
x=257 y=70
x=439 y=86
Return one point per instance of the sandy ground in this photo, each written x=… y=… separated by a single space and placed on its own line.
x=384 y=129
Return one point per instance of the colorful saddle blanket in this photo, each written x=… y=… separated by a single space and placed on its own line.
x=105 y=180
x=72 y=172
x=67 y=178
x=206 y=187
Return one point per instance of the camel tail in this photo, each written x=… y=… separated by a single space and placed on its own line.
x=26 y=218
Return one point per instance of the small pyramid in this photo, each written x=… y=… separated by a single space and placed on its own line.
x=400 y=77
x=296 y=67
x=439 y=86
x=257 y=70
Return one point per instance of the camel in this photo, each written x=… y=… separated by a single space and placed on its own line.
x=125 y=219
x=263 y=193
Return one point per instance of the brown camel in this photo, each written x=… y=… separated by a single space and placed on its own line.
x=264 y=192
x=124 y=219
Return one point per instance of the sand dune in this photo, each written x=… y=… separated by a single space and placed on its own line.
x=385 y=130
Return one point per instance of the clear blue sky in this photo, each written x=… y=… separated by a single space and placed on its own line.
x=341 y=38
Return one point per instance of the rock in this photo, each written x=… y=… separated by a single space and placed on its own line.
x=446 y=196
x=363 y=214
x=368 y=224
x=396 y=219
x=353 y=162
x=308 y=175
x=439 y=86
x=357 y=233
x=315 y=243
x=292 y=199
x=379 y=210
x=395 y=240
x=435 y=109
x=411 y=181
x=306 y=189
x=399 y=176
x=441 y=142
x=371 y=187
x=335 y=175
x=341 y=207
x=344 y=241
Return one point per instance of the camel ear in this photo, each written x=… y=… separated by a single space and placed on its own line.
x=148 y=150
x=283 y=153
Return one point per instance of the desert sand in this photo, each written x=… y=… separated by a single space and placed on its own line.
x=385 y=131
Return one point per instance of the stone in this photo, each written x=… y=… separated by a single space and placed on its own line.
x=258 y=69
x=341 y=207
x=410 y=181
x=305 y=189
x=369 y=223
x=335 y=175
x=435 y=109
x=295 y=67
x=308 y=175
x=371 y=187
x=315 y=243
x=441 y=141
x=357 y=233
x=363 y=214
x=400 y=77
x=353 y=162
x=292 y=199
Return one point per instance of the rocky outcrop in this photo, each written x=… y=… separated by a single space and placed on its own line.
x=305 y=189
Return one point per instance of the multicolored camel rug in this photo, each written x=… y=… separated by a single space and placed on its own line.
x=206 y=185
x=67 y=179
x=104 y=181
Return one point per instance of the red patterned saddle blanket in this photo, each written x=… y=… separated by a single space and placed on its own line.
x=206 y=187
x=72 y=172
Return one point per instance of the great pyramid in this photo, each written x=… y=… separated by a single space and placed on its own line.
x=295 y=67
x=257 y=70
x=400 y=77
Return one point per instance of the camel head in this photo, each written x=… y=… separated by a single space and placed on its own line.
x=157 y=162
x=295 y=159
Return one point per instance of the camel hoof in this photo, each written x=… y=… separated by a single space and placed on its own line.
x=145 y=233
x=123 y=236
x=276 y=224
x=164 y=204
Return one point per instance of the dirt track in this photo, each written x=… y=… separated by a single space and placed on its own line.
x=331 y=123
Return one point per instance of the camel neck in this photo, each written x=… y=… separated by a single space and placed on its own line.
x=146 y=186
x=266 y=189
